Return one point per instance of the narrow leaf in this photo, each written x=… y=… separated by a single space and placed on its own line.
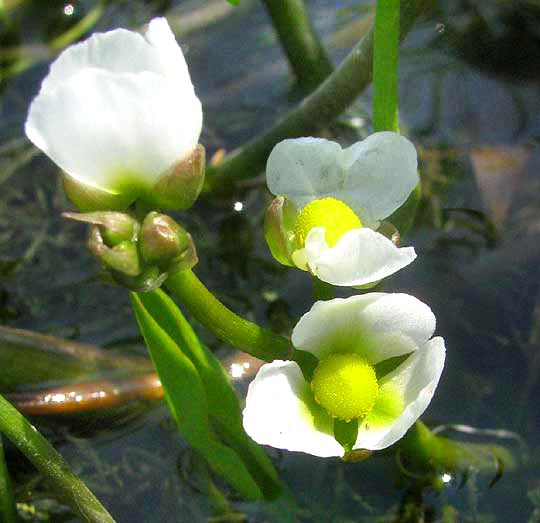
x=223 y=406
x=186 y=397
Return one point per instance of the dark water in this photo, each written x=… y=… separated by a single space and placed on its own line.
x=470 y=101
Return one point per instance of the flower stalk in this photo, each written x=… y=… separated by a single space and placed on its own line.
x=225 y=324
x=49 y=462
x=385 y=66
x=426 y=452
x=304 y=50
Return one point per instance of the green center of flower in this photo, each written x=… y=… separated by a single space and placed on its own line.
x=345 y=385
x=334 y=215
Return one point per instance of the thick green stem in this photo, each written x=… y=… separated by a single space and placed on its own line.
x=8 y=510
x=385 y=66
x=320 y=108
x=306 y=54
x=45 y=458
x=427 y=452
x=225 y=324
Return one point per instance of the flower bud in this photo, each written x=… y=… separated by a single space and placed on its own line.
x=122 y=257
x=136 y=256
x=166 y=244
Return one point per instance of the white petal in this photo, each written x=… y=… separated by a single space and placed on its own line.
x=381 y=173
x=117 y=51
x=359 y=257
x=98 y=125
x=280 y=411
x=303 y=169
x=377 y=325
x=416 y=380
x=373 y=177
x=171 y=58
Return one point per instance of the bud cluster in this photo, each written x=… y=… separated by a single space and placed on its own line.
x=138 y=255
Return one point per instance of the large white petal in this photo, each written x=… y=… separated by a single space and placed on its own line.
x=117 y=51
x=98 y=124
x=415 y=380
x=304 y=169
x=359 y=257
x=377 y=325
x=381 y=173
x=280 y=411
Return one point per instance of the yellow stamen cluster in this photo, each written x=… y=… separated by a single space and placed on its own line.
x=334 y=215
x=345 y=384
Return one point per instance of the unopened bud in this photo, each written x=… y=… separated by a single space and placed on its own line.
x=115 y=227
x=122 y=257
x=166 y=244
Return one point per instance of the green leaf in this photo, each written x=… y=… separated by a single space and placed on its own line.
x=187 y=400
x=223 y=406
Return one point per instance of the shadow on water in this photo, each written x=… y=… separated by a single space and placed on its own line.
x=469 y=100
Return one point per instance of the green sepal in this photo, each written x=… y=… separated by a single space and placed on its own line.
x=186 y=396
x=346 y=433
x=403 y=218
x=223 y=406
x=279 y=223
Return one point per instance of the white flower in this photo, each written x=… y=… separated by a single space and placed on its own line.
x=281 y=409
x=373 y=178
x=118 y=111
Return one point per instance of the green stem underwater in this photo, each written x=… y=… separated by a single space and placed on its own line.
x=47 y=460
x=318 y=109
x=225 y=324
x=306 y=54
x=427 y=452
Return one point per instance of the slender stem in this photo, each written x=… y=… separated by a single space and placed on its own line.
x=305 y=52
x=385 y=66
x=47 y=460
x=320 y=108
x=8 y=510
x=225 y=324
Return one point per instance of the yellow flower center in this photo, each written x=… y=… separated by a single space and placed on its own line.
x=345 y=385
x=334 y=215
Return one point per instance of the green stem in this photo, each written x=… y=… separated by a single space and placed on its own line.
x=427 y=452
x=320 y=108
x=385 y=66
x=304 y=51
x=225 y=324
x=45 y=458
x=8 y=510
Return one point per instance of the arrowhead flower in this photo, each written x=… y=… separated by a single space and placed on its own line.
x=378 y=368
x=330 y=203
x=118 y=113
